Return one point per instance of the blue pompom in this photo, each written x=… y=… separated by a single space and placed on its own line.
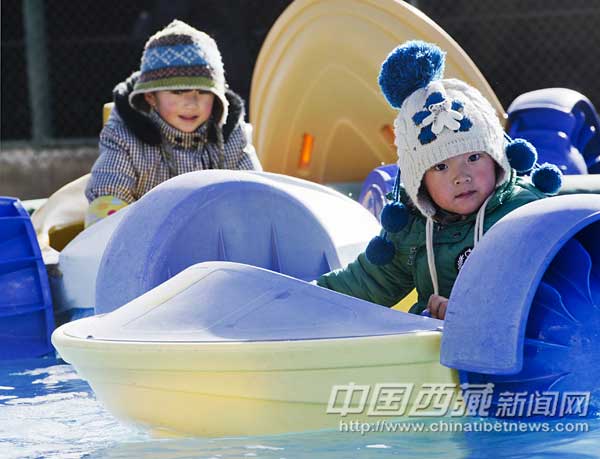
x=521 y=155
x=409 y=67
x=394 y=217
x=380 y=252
x=547 y=178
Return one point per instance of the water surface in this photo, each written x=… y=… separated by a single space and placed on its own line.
x=47 y=411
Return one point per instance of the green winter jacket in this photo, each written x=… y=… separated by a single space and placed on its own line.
x=452 y=242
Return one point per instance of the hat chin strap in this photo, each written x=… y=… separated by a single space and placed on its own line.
x=478 y=234
x=430 y=254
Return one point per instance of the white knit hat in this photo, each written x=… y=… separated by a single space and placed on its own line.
x=444 y=119
x=439 y=119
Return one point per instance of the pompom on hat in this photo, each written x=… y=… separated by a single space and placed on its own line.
x=180 y=57
x=437 y=120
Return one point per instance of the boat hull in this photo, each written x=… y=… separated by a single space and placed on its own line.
x=247 y=388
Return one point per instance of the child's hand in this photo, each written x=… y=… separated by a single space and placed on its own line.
x=437 y=306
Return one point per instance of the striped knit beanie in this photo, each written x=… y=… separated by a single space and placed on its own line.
x=181 y=57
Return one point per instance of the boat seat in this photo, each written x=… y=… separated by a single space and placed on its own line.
x=280 y=223
x=61 y=217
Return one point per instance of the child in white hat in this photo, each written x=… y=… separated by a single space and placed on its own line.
x=456 y=181
x=175 y=115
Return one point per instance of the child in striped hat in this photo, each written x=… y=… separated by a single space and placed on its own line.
x=175 y=115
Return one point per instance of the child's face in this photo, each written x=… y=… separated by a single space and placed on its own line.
x=461 y=184
x=185 y=110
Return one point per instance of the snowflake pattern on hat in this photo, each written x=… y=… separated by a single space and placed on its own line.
x=180 y=55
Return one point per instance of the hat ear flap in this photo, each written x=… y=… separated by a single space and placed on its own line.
x=394 y=217
x=521 y=155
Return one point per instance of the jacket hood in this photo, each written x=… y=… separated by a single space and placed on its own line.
x=145 y=129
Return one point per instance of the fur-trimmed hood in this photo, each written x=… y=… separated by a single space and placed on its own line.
x=145 y=129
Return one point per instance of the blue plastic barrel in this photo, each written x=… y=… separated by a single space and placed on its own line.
x=563 y=125
x=26 y=315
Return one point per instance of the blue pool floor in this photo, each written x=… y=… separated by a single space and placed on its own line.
x=47 y=411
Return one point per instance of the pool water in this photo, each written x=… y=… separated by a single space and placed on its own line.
x=47 y=411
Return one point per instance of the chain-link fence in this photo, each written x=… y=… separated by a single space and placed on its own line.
x=61 y=58
x=523 y=45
